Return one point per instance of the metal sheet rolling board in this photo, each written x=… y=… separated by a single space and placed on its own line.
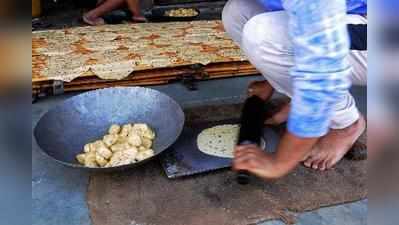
x=184 y=158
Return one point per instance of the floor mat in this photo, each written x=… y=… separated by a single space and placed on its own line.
x=144 y=196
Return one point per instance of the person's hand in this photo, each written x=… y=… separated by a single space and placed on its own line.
x=256 y=161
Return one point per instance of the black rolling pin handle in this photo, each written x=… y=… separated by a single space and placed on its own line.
x=243 y=176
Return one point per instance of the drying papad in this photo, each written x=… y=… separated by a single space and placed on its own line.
x=115 y=51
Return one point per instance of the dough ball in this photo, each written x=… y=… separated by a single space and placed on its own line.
x=144 y=130
x=90 y=160
x=139 y=126
x=97 y=144
x=123 y=157
x=135 y=131
x=134 y=139
x=91 y=164
x=144 y=155
x=87 y=148
x=121 y=140
x=149 y=134
x=133 y=149
x=91 y=147
x=104 y=152
x=131 y=153
x=91 y=156
x=115 y=159
x=147 y=143
x=123 y=134
x=142 y=149
x=141 y=156
x=120 y=147
x=150 y=152
x=81 y=158
x=101 y=161
x=114 y=129
x=125 y=130
x=110 y=139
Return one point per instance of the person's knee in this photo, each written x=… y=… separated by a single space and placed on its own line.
x=230 y=13
x=266 y=45
x=231 y=9
x=261 y=30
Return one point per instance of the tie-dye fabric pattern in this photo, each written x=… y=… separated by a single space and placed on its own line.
x=353 y=6
x=321 y=73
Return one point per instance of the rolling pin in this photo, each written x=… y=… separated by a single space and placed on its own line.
x=251 y=130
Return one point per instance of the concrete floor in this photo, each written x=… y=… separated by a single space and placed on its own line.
x=59 y=193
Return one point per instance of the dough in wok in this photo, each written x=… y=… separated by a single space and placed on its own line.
x=124 y=145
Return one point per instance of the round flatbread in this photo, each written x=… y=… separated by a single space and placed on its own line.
x=220 y=140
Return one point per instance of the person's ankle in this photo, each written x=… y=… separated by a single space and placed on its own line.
x=351 y=129
x=91 y=16
x=139 y=18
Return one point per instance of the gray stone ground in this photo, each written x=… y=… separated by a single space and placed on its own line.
x=59 y=193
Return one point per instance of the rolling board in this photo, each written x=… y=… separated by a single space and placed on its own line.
x=185 y=159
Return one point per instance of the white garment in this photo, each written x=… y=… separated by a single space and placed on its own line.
x=264 y=38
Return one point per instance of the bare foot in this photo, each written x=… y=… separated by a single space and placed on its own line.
x=93 y=21
x=262 y=89
x=139 y=19
x=281 y=116
x=331 y=148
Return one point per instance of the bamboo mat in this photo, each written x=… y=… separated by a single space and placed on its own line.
x=152 y=77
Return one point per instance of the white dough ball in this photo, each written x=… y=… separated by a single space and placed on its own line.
x=147 y=143
x=120 y=147
x=123 y=157
x=134 y=139
x=121 y=140
x=144 y=155
x=101 y=161
x=125 y=130
x=115 y=159
x=104 y=152
x=97 y=144
x=90 y=160
x=131 y=153
x=114 y=129
x=144 y=130
x=81 y=158
x=87 y=148
x=110 y=139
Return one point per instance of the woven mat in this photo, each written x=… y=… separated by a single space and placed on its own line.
x=145 y=196
x=152 y=77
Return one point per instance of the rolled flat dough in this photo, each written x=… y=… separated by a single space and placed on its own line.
x=220 y=140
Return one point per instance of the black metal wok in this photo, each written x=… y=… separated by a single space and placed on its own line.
x=63 y=131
